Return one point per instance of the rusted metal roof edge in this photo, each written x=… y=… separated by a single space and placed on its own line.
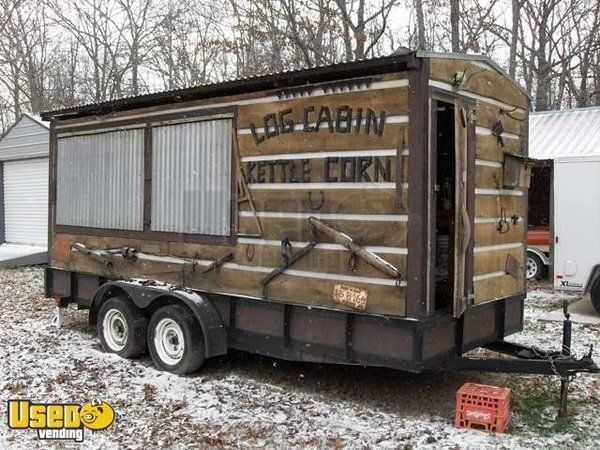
x=240 y=86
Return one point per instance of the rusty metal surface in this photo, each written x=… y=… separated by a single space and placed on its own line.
x=191 y=173
x=100 y=180
x=285 y=79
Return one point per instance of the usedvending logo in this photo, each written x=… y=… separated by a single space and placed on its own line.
x=60 y=421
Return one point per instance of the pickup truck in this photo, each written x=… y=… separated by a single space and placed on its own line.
x=538 y=251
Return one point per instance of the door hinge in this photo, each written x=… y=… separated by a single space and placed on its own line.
x=470 y=299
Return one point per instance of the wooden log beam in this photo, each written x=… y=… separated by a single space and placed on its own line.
x=346 y=241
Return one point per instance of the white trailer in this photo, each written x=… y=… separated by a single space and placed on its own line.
x=577 y=225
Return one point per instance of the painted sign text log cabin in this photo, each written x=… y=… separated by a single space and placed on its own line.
x=340 y=119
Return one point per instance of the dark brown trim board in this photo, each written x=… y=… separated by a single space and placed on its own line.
x=148 y=235
x=471 y=155
x=156 y=120
x=147 y=178
x=416 y=298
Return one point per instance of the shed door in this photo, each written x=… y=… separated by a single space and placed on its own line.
x=26 y=202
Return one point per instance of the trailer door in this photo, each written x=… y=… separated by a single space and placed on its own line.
x=576 y=220
x=465 y=205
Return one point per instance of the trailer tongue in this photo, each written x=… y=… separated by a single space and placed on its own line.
x=531 y=360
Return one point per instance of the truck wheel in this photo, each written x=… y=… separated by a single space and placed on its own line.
x=122 y=327
x=175 y=340
x=595 y=295
x=535 y=267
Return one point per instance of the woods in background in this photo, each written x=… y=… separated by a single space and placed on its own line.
x=58 y=53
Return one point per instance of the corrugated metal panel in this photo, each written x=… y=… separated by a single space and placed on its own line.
x=265 y=81
x=26 y=202
x=100 y=180
x=27 y=138
x=191 y=177
x=554 y=134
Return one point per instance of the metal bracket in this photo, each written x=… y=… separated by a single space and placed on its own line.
x=287 y=264
x=218 y=263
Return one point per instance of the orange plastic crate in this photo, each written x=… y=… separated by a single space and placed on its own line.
x=482 y=407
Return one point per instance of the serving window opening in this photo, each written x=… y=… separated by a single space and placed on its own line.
x=445 y=204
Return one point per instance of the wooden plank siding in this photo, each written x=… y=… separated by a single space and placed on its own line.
x=497 y=101
x=365 y=208
x=478 y=78
x=300 y=142
x=371 y=216
x=505 y=104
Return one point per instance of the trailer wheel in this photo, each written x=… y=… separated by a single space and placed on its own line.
x=122 y=327
x=535 y=267
x=595 y=295
x=175 y=340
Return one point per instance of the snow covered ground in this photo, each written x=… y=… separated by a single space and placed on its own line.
x=249 y=401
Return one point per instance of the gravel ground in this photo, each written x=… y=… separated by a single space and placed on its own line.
x=249 y=401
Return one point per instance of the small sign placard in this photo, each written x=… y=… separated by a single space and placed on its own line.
x=350 y=296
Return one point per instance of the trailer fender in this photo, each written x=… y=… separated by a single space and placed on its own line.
x=151 y=296
x=540 y=254
x=594 y=275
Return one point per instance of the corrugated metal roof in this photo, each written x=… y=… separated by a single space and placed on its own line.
x=283 y=79
x=569 y=133
x=278 y=80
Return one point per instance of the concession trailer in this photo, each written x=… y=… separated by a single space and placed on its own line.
x=370 y=212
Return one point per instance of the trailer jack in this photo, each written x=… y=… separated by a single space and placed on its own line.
x=530 y=360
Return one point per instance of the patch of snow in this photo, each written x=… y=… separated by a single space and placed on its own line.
x=246 y=400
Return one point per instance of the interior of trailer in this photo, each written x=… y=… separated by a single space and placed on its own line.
x=445 y=205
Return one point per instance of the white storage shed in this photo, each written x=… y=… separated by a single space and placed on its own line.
x=24 y=192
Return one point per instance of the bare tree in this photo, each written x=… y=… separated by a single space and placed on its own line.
x=454 y=25
x=91 y=23
x=514 y=37
x=361 y=23
x=137 y=32
x=421 y=43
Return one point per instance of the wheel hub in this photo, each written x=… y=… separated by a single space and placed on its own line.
x=169 y=341
x=114 y=327
x=532 y=268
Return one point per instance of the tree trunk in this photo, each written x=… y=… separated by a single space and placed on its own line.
x=421 y=44
x=514 y=37
x=16 y=95
x=542 y=94
x=134 y=69
x=359 y=33
x=454 y=25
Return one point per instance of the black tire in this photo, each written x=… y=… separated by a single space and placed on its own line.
x=595 y=295
x=176 y=356
x=535 y=267
x=109 y=321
